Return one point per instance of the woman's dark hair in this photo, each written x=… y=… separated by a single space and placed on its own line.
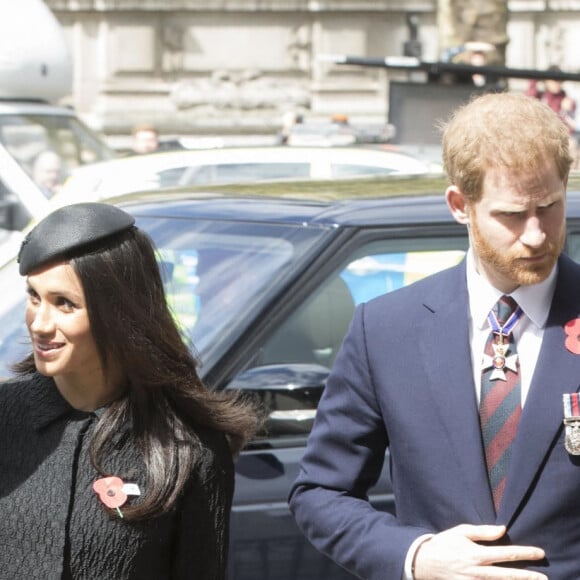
x=135 y=332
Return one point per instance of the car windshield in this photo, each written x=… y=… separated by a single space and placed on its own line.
x=26 y=136
x=216 y=273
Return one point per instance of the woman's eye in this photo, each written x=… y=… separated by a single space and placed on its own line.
x=65 y=303
x=32 y=295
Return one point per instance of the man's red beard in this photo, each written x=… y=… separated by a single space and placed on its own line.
x=512 y=264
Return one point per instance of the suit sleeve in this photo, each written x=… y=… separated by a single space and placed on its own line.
x=343 y=459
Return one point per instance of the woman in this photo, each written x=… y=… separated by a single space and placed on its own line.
x=116 y=460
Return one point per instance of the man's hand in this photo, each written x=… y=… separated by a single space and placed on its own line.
x=455 y=555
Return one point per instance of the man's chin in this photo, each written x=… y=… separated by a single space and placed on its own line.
x=532 y=274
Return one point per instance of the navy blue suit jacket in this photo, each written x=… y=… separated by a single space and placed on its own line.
x=404 y=379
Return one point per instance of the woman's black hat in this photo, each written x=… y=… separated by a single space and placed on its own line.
x=67 y=230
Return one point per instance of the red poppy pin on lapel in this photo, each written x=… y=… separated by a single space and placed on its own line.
x=572 y=330
x=111 y=492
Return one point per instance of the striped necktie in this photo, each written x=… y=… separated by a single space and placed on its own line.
x=500 y=407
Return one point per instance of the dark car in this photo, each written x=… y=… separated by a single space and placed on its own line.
x=265 y=286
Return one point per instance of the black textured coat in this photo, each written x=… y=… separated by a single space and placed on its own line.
x=54 y=526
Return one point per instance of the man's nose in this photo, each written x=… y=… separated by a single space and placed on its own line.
x=533 y=234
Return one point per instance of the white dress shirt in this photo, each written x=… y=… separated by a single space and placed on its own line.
x=535 y=301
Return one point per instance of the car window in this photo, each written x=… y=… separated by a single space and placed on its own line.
x=13 y=214
x=351 y=170
x=313 y=333
x=246 y=172
x=7 y=198
x=14 y=343
x=218 y=273
x=374 y=274
x=573 y=242
x=27 y=136
x=171 y=177
x=5 y=192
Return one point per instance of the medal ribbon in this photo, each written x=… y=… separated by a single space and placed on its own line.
x=509 y=325
x=571 y=405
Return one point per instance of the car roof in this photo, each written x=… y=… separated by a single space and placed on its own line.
x=357 y=202
x=32 y=107
x=268 y=154
x=299 y=212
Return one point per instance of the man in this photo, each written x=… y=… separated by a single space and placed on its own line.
x=145 y=139
x=554 y=95
x=47 y=172
x=484 y=484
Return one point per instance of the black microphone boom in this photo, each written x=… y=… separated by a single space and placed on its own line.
x=434 y=69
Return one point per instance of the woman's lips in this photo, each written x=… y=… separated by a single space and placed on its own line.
x=47 y=348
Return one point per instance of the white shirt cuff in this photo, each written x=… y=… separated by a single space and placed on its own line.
x=408 y=570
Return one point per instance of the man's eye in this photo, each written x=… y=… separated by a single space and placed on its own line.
x=547 y=207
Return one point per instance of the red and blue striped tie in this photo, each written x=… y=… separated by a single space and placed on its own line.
x=500 y=407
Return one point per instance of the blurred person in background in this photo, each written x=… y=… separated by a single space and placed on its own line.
x=289 y=120
x=473 y=53
x=145 y=139
x=47 y=172
x=552 y=93
x=117 y=461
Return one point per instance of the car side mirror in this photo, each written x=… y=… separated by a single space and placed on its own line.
x=288 y=394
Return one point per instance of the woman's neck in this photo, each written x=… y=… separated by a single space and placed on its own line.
x=87 y=393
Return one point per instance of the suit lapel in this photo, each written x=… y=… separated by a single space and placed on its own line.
x=447 y=359
x=557 y=372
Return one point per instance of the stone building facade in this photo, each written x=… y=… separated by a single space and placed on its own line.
x=234 y=66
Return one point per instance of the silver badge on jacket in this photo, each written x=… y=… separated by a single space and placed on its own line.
x=572 y=422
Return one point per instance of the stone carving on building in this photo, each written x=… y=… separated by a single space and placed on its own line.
x=241 y=90
x=300 y=47
x=171 y=60
x=173 y=47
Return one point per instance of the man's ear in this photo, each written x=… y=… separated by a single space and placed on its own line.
x=457 y=204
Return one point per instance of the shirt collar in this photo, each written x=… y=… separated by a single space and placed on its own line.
x=534 y=299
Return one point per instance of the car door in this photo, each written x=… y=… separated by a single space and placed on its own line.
x=287 y=375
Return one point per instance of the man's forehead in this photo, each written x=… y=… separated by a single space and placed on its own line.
x=527 y=186
x=515 y=200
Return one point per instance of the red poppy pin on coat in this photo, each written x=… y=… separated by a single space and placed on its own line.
x=111 y=492
x=572 y=330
